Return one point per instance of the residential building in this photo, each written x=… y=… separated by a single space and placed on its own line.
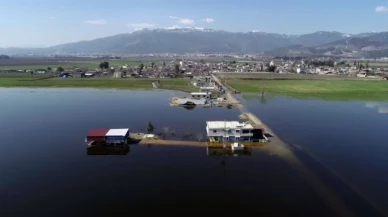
x=200 y=95
x=207 y=89
x=229 y=131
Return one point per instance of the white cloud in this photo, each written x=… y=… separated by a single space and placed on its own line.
x=95 y=22
x=184 y=21
x=208 y=20
x=141 y=25
x=381 y=9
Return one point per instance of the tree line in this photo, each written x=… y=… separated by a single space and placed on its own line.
x=4 y=57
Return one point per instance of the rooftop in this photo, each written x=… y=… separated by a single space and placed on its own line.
x=227 y=125
x=199 y=93
x=97 y=132
x=117 y=132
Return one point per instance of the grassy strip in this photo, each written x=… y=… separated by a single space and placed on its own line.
x=322 y=89
x=129 y=83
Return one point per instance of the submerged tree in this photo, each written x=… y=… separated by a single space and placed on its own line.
x=199 y=137
x=150 y=127
x=165 y=132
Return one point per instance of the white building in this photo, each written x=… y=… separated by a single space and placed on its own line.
x=229 y=131
x=200 y=95
x=207 y=89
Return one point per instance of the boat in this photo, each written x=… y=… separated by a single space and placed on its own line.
x=237 y=146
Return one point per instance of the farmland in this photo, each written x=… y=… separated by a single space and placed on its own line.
x=323 y=89
x=69 y=63
x=104 y=82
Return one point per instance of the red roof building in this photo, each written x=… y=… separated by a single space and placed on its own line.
x=97 y=135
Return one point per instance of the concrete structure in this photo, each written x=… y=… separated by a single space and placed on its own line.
x=229 y=131
x=200 y=95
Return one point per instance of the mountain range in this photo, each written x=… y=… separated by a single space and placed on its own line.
x=190 y=40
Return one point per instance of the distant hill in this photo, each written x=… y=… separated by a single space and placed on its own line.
x=371 y=45
x=183 y=40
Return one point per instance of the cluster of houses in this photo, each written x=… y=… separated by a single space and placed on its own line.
x=209 y=90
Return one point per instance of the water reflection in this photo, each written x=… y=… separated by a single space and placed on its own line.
x=108 y=150
x=227 y=152
x=381 y=108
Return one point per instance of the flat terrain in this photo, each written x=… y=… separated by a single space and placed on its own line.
x=276 y=76
x=104 y=82
x=71 y=63
x=324 y=89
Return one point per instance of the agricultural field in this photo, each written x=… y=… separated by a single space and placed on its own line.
x=103 y=82
x=323 y=89
x=70 y=63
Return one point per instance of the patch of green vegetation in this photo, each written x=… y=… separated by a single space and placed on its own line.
x=128 y=83
x=321 y=89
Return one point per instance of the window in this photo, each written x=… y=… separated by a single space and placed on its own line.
x=229 y=131
x=245 y=131
x=214 y=131
x=237 y=131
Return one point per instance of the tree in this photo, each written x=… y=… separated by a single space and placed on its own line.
x=199 y=137
x=272 y=68
x=49 y=68
x=164 y=64
x=355 y=63
x=261 y=67
x=150 y=127
x=201 y=61
x=141 y=67
x=152 y=64
x=101 y=66
x=177 y=68
x=60 y=69
x=104 y=65
x=367 y=65
x=165 y=132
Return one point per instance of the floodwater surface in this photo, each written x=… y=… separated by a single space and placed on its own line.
x=347 y=137
x=45 y=169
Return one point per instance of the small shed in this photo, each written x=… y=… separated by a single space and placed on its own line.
x=117 y=136
x=96 y=135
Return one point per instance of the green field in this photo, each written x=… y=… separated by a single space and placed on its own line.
x=89 y=64
x=129 y=83
x=323 y=89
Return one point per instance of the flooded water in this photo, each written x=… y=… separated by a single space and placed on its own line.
x=45 y=169
x=347 y=137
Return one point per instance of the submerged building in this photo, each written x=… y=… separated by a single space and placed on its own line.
x=107 y=136
x=232 y=131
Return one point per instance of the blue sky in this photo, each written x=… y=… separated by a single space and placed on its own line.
x=52 y=22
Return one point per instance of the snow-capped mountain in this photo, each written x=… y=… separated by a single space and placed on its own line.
x=194 y=39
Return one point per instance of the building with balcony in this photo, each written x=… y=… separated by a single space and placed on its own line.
x=229 y=131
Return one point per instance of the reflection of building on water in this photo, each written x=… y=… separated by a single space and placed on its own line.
x=227 y=152
x=108 y=150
